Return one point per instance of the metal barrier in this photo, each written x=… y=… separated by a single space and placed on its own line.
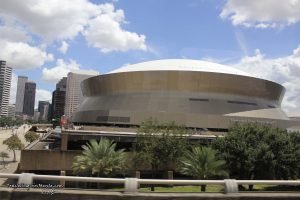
x=131 y=184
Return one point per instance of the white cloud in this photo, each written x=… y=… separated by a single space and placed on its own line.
x=284 y=70
x=13 y=34
x=105 y=32
x=21 y=55
x=52 y=19
x=16 y=50
x=61 y=69
x=64 y=47
x=42 y=95
x=64 y=20
x=86 y=72
x=241 y=42
x=262 y=14
x=13 y=88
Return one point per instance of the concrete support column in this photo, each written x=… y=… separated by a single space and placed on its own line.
x=231 y=186
x=137 y=174
x=170 y=175
x=62 y=182
x=64 y=142
x=131 y=185
x=26 y=178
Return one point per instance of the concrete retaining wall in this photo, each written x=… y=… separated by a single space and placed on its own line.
x=47 y=159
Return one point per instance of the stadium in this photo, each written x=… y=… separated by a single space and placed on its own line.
x=193 y=93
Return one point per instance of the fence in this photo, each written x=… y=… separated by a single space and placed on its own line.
x=132 y=184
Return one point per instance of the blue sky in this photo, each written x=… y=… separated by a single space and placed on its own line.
x=45 y=39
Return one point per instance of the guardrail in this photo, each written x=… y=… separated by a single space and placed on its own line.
x=132 y=184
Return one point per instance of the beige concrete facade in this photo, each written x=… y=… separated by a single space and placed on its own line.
x=73 y=92
x=54 y=160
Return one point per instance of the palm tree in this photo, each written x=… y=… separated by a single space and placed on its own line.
x=202 y=163
x=99 y=158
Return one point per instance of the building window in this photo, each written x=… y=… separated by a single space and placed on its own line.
x=113 y=119
x=242 y=103
x=196 y=99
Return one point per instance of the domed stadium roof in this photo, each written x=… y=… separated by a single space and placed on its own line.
x=180 y=65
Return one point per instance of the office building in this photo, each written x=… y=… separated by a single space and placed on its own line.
x=29 y=98
x=73 y=93
x=42 y=107
x=59 y=98
x=11 y=111
x=5 y=81
x=20 y=93
x=49 y=116
x=36 y=115
x=45 y=115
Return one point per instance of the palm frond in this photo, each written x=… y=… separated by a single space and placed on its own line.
x=201 y=162
x=99 y=158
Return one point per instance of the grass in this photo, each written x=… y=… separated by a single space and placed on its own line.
x=283 y=188
x=214 y=188
x=209 y=188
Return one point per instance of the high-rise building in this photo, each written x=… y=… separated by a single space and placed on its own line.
x=74 y=94
x=29 y=98
x=41 y=108
x=20 y=94
x=5 y=80
x=50 y=116
x=59 y=98
x=36 y=115
x=11 y=111
x=45 y=112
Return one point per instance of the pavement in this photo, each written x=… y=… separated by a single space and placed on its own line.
x=11 y=166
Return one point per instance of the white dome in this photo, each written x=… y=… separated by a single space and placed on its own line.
x=180 y=65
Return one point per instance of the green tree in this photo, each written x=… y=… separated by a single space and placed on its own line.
x=31 y=136
x=17 y=122
x=255 y=151
x=13 y=143
x=6 y=121
x=3 y=155
x=55 y=122
x=295 y=139
x=202 y=163
x=160 y=145
x=99 y=158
